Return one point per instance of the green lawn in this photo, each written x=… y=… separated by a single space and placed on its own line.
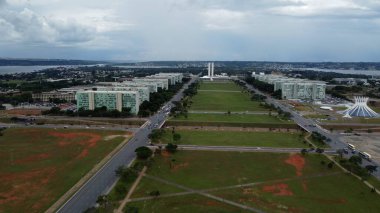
x=355 y=120
x=339 y=193
x=183 y=204
x=233 y=118
x=223 y=101
x=37 y=166
x=279 y=186
x=146 y=186
x=230 y=86
x=231 y=138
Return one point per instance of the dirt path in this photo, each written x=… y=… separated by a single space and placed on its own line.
x=131 y=190
x=85 y=178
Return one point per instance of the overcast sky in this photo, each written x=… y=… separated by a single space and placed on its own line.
x=272 y=30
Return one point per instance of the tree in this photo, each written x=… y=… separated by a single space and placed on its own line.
x=303 y=151
x=171 y=147
x=154 y=193
x=143 y=152
x=355 y=159
x=371 y=168
x=340 y=152
x=176 y=137
x=131 y=209
x=319 y=150
x=102 y=200
x=330 y=165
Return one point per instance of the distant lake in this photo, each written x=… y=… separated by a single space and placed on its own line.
x=358 y=72
x=26 y=69
x=20 y=69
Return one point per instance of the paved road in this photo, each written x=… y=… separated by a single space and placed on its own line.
x=311 y=126
x=103 y=180
x=246 y=149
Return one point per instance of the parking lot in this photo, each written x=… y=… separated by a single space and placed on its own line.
x=366 y=142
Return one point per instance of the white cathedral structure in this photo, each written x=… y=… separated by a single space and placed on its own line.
x=360 y=109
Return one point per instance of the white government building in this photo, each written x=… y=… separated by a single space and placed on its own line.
x=127 y=94
x=294 y=88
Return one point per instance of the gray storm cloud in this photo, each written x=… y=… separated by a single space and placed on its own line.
x=282 y=30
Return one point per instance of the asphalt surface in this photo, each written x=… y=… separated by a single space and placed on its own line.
x=105 y=178
x=311 y=126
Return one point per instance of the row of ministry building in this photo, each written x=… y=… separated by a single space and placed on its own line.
x=115 y=95
x=294 y=88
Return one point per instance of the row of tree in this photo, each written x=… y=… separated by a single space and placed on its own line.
x=264 y=87
x=157 y=99
x=97 y=112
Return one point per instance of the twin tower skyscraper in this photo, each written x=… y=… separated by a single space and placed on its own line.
x=210 y=70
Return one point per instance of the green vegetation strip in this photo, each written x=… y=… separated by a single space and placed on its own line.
x=234 y=118
x=232 y=124
x=232 y=138
x=220 y=86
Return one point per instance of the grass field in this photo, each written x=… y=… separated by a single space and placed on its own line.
x=273 y=183
x=220 y=100
x=356 y=120
x=37 y=166
x=233 y=118
x=228 y=86
x=230 y=138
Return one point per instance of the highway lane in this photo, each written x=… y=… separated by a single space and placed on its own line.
x=311 y=126
x=104 y=179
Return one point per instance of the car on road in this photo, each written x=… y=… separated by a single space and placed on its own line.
x=365 y=155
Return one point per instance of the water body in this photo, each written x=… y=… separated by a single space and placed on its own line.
x=22 y=69
x=26 y=69
x=358 y=72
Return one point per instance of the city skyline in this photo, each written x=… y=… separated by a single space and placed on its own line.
x=274 y=30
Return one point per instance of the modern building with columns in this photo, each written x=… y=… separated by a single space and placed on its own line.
x=113 y=100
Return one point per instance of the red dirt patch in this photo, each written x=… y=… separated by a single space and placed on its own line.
x=298 y=162
x=178 y=166
x=22 y=186
x=33 y=158
x=24 y=112
x=165 y=154
x=89 y=143
x=280 y=189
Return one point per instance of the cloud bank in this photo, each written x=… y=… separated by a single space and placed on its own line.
x=280 y=30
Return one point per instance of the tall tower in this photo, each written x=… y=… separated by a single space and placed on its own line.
x=209 y=70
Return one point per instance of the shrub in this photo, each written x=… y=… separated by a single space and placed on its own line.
x=143 y=152
x=171 y=148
